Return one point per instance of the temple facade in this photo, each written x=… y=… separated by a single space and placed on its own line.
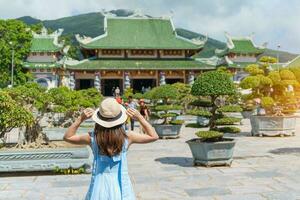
x=139 y=52
x=45 y=58
x=136 y=52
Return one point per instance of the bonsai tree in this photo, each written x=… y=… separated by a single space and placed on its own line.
x=184 y=95
x=34 y=98
x=271 y=87
x=12 y=115
x=70 y=102
x=167 y=95
x=217 y=86
x=39 y=102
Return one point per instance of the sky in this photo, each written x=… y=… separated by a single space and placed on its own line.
x=273 y=21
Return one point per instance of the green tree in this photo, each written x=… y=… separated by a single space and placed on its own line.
x=168 y=95
x=216 y=85
x=71 y=102
x=14 y=35
x=36 y=100
x=12 y=115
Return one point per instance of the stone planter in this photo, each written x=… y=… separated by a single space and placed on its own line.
x=247 y=114
x=167 y=131
x=212 y=153
x=203 y=121
x=45 y=159
x=273 y=125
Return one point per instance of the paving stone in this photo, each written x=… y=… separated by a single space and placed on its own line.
x=209 y=191
x=164 y=170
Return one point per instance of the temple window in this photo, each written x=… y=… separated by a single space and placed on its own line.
x=42 y=53
x=111 y=52
x=172 y=52
x=48 y=54
x=33 y=53
x=142 y=52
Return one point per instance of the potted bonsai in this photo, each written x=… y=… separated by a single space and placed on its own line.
x=273 y=92
x=166 y=109
x=211 y=148
x=30 y=103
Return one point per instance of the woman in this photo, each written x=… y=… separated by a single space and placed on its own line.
x=109 y=142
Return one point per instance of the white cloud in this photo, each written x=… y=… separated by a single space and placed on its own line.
x=274 y=21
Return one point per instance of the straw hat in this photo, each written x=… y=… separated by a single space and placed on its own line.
x=110 y=113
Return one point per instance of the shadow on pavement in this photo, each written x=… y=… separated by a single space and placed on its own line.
x=180 y=161
x=284 y=151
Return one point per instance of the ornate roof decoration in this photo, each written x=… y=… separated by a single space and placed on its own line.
x=242 y=45
x=45 y=42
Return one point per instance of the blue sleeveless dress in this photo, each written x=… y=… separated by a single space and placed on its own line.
x=110 y=179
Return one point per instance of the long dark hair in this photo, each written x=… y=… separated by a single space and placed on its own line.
x=110 y=140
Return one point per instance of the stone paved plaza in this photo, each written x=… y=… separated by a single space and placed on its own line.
x=263 y=168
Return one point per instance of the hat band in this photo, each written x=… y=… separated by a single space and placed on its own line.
x=108 y=119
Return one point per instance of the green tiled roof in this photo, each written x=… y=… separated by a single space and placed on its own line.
x=244 y=46
x=139 y=33
x=141 y=64
x=35 y=65
x=44 y=45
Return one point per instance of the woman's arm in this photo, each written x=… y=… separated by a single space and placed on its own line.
x=150 y=135
x=70 y=135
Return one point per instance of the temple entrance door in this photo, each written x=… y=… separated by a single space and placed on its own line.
x=142 y=85
x=174 y=80
x=84 y=84
x=109 y=84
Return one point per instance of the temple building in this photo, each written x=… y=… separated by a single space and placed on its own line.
x=44 y=59
x=140 y=52
x=238 y=54
x=136 y=52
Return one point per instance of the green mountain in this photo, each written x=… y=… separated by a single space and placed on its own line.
x=91 y=24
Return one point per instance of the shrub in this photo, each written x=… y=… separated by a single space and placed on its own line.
x=138 y=96
x=164 y=92
x=286 y=74
x=213 y=83
x=209 y=136
x=200 y=112
x=202 y=103
x=230 y=108
x=177 y=122
x=228 y=121
x=168 y=107
x=229 y=129
x=267 y=102
x=250 y=82
x=254 y=70
x=194 y=125
x=275 y=77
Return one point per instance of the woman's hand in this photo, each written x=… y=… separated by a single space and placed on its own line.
x=86 y=114
x=134 y=114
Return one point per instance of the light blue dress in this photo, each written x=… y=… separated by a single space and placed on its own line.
x=110 y=179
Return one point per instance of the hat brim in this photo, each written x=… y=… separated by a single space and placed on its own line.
x=109 y=124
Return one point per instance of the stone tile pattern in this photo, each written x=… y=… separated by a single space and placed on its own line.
x=265 y=168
